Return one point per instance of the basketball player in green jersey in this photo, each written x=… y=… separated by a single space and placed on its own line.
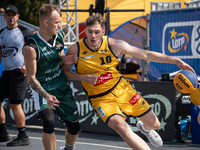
x=43 y=53
x=107 y=90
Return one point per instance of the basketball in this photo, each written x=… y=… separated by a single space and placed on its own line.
x=185 y=81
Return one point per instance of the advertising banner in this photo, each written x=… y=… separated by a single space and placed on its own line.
x=155 y=93
x=175 y=33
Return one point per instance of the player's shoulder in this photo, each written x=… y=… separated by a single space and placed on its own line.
x=73 y=49
x=73 y=46
x=114 y=42
x=25 y=31
x=2 y=30
x=23 y=28
x=28 y=49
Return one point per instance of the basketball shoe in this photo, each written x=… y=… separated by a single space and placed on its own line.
x=153 y=137
x=4 y=137
x=63 y=148
x=19 y=141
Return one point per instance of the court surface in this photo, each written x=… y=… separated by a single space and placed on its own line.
x=88 y=141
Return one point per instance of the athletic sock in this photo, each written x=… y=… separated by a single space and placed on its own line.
x=3 y=129
x=22 y=132
x=144 y=129
x=69 y=147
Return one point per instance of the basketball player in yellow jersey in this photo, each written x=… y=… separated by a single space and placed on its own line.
x=106 y=88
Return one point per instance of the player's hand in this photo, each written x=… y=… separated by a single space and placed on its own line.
x=69 y=59
x=185 y=66
x=90 y=78
x=52 y=101
x=23 y=69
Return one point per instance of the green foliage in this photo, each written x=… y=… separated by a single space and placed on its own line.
x=28 y=9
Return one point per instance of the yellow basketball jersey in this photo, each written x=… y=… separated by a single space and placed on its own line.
x=102 y=62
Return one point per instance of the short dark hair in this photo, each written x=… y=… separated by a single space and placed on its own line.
x=46 y=10
x=95 y=19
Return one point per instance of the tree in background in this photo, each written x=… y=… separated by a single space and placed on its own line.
x=28 y=9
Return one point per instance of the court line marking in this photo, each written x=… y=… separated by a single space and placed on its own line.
x=83 y=143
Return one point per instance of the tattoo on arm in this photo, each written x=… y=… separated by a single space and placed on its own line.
x=35 y=84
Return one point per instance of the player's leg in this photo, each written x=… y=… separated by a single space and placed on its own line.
x=4 y=93
x=48 y=136
x=71 y=135
x=70 y=140
x=49 y=141
x=4 y=136
x=18 y=85
x=118 y=124
x=68 y=113
x=149 y=122
x=19 y=115
x=133 y=104
x=111 y=114
x=2 y=114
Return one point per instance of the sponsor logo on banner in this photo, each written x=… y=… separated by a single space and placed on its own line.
x=159 y=101
x=181 y=39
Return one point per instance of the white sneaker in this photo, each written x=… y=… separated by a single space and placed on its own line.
x=153 y=137
x=62 y=148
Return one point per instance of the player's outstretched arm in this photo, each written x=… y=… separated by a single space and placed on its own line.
x=119 y=46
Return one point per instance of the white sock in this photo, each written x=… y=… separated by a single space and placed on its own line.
x=69 y=147
x=144 y=129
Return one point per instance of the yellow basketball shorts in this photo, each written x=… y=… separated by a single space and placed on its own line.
x=122 y=99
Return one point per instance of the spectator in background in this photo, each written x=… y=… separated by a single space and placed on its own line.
x=13 y=82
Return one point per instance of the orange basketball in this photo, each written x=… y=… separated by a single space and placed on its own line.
x=185 y=81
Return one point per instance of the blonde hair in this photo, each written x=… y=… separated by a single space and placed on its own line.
x=46 y=10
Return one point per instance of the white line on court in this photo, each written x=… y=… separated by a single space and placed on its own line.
x=83 y=143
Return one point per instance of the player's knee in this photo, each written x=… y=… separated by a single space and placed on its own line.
x=48 y=125
x=48 y=128
x=73 y=127
x=48 y=119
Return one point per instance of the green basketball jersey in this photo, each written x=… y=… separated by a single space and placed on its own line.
x=49 y=71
